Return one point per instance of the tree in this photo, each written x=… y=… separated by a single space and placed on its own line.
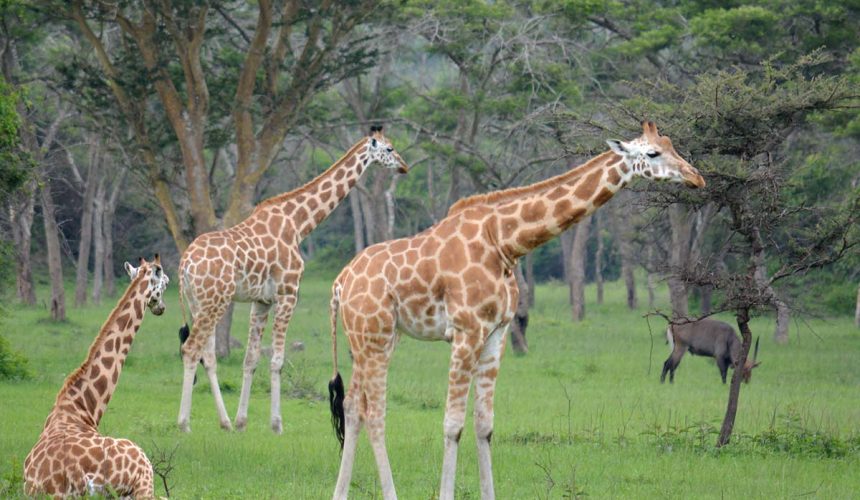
x=187 y=53
x=736 y=125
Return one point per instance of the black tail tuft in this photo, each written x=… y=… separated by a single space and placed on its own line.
x=335 y=397
x=184 y=332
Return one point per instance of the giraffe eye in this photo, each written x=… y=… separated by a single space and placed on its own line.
x=653 y=154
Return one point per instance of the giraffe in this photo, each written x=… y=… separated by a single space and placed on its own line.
x=71 y=457
x=455 y=282
x=258 y=261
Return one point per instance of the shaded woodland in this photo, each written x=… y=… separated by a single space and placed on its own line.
x=128 y=128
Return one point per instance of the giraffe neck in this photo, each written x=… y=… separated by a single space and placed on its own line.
x=88 y=390
x=538 y=215
x=312 y=203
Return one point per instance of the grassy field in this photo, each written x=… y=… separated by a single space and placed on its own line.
x=582 y=414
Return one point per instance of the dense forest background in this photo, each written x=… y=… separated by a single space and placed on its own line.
x=128 y=128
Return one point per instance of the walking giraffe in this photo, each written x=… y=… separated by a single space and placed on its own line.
x=258 y=261
x=455 y=282
x=71 y=458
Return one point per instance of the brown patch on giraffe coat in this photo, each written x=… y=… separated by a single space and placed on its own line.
x=531 y=238
x=138 y=309
x=613 y=177
x=476 y=251
x=604 y=196
x=508 y=209
x=586 y=187
x=123 y=321
x=446 y=228
x=89 y=400
x=469 y=230
x=453 y=256
x=533 y=212
x=562 y=208
x=488 y=311
x=557 y=193
x=101 y=384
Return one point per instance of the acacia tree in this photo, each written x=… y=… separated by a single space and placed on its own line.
x=186 y=57
x=736 y=126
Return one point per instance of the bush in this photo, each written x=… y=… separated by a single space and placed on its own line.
x=13 y=366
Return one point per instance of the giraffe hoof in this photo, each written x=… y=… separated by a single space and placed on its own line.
x=225 y=424
x=185 y=427
x=277 y=428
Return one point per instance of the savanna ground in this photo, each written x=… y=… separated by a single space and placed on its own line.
x=582 y=414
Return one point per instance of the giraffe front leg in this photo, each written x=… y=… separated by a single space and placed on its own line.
x=285 y=307
x=465 y=347
x=259 y=316
x=485 y=387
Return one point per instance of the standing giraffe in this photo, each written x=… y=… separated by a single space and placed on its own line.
x=258 y=261
x=71 y=458
x=455 y=282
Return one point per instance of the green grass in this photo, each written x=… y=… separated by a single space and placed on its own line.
x=582 y=414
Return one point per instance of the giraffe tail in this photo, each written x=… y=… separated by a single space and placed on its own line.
x=335 y=386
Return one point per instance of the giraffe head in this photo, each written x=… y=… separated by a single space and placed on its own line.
x=652 y=156
x=379 y=149
x=156 y=280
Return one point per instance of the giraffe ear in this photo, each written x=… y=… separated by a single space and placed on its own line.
x=617 y=147
x=130 y=269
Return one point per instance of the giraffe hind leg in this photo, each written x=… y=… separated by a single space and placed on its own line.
x=259 y=316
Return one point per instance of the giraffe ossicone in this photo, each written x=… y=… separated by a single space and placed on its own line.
x=71 y=457
x=455 y=282
x=258 y=261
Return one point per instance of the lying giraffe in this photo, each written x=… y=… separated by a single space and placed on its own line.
x=455 y=282
x=258 y=261
x=71 y=458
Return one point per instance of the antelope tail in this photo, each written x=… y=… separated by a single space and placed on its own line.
x=670 y=339
x=335 y=385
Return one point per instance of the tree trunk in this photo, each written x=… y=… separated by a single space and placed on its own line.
x=743 y=318
x=649 y=280
x=52 y=242
x=857 y=309
x=521 y=316
x=107 y=231
x=577 y=269
x=783 y=320
x=598 y=256
x=357 y=221
x=21 y=212
x=620 y=226
x=107 y=238
x=681 y=222
x=566 y=245
x=706 y=293
x=98 y=242
x=530 y=277
x=85 y=242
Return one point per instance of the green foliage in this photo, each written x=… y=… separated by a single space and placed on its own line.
x=13 y=366
x=12 y=479
x=14 y=162
x=621 y=435
x=741 y=30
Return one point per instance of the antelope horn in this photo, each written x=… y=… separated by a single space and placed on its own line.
x=755 y=353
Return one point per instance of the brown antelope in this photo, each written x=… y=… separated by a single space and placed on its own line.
x=707 y=337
